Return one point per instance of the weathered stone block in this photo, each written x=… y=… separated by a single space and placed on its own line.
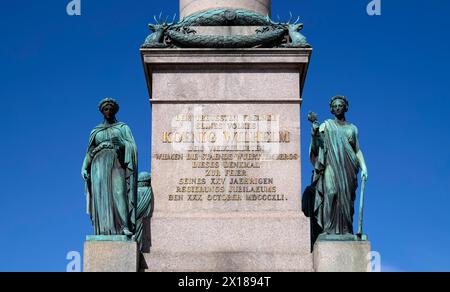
x=110 y=256
x=342 y=256
x=188 y=7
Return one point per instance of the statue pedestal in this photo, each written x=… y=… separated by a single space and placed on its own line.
x=342 y=256
x=232 y=242
x=226 y=170
x=110 y=256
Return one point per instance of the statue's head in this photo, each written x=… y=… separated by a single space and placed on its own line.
x=161 y=25
x=144 y=179
x=157 y=27
x=339 y=105
x=295 y=26
x=109 y=108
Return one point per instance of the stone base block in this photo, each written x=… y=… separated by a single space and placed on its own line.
x=342 y=256
x=110 y=256
x=228 y=262
x=230 y=242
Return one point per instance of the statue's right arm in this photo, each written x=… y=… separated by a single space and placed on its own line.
x=86 y=166
x=315 y=137
x=314 y=147
x=85 y=169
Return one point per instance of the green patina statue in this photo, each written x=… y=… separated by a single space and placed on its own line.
x=110 y=172
x=144 y=209
x=337 y=159
x=183 y=35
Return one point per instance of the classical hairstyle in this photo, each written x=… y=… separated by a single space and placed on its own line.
x=340 y=97
x=109 y=101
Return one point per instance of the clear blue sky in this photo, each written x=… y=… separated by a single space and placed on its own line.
x=55 y=68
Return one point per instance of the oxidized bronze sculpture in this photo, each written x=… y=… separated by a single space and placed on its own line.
x=337 y=159
x=110 y=171
x=144 y=209
x=182 y=34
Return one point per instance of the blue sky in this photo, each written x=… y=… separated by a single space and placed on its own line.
x=55 y=69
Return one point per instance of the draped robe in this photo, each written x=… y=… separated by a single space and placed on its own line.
x=111 y=190
x=335 y=176
x=144 y=209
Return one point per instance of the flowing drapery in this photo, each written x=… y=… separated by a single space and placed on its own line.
x=335 y=176
x=112 y=188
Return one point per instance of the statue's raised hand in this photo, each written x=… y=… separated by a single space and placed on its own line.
x=312 y=117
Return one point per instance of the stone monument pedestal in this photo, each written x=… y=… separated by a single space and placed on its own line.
x=226 y=170
x=342 y=256
x=110 y=256
x=252 y=242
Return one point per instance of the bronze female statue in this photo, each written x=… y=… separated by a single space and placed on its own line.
x=110 y=172
x=144 y=210
x=337 y=159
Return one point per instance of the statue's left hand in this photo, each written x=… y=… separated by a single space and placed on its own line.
x=117 y=142
x=364 y=175
x=85 y=174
